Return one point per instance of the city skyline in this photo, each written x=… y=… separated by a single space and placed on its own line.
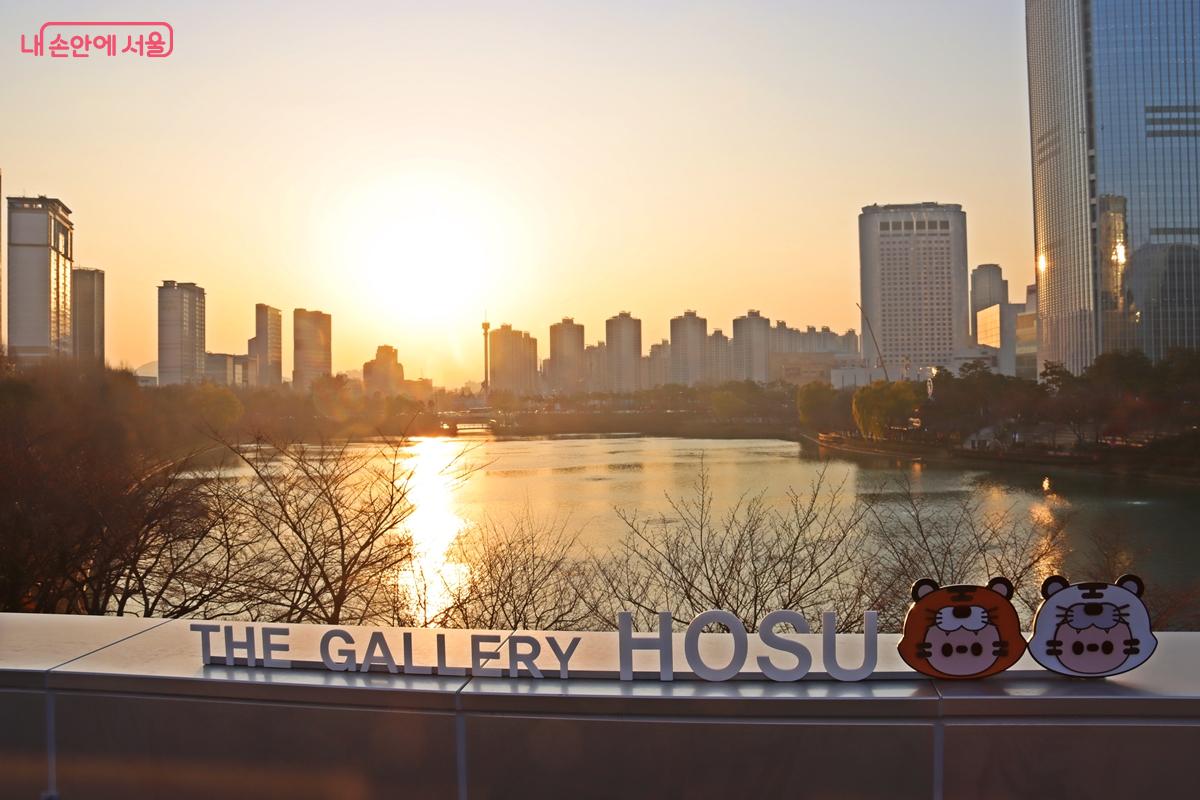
x=544 y=213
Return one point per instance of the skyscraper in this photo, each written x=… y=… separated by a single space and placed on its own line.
x=514 y=362
x=181 y=357
x=689 y=349
x=623 y=334
x=567 y=368
x=720 y=358
x=266 y=348
x=913 y=276
x=1114 y=108
x=384 y=374
x=751 y=346
x=988 y=288
x=40 y=255
x=312 y=337
x=87 y=314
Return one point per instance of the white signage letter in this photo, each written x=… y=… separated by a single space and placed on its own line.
x=766 y=632
x=379 y=653
x=346 y=654
x=627 y=643
x=409 y=666
x=516 y=658
x=271 y=648
x=206 y=630
x=829 y=647
x=479 y=656
x=691 y=645
x=246 y=644
x=564 y=656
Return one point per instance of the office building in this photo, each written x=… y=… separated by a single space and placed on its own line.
x=87 y=314
x=514 y=362
x=219 y=369
x=988 y=288
x=266 y=347
x=689 y=349
x=566 y=370
x=1027 y=338
x=1114 y=102
x=384 y=374
x=40 y=259
x=245 y=371
x=181 y=356
x=751 y=347
x=913 y=278
x=623 y=335
x=312 y=347
x=996 y=329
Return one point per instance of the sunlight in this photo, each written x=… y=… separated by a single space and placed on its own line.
x=434 y=524
x=429 y=244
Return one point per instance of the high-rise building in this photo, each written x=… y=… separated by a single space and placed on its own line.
x=40 y=256
x=266 y=347
x=384 y=374
x=245 y=371
x=751 y=347
x=566 y=368
x=624 y=346
x=996 y=328
x=1114 y=107
x=312 y=343
x=181 y=356
x=913 y=276
x=87 y=314
x=514 y=362
x=988 y=288
x=720 y=358
x=689 y=349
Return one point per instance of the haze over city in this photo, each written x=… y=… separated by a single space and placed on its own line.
x=675 y=157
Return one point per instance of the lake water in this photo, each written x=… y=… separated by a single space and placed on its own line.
x=582 y=480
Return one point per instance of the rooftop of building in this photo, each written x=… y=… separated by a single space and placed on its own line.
x=41 y=201
x=927 y=205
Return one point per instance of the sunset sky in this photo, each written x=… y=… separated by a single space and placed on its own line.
x=407 y=166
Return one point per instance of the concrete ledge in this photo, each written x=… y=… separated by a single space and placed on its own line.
x=120 y=707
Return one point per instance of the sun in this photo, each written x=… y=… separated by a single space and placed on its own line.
x=428 y=248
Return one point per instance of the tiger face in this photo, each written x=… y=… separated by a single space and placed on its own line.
x=960 y=631
x=1092 y=630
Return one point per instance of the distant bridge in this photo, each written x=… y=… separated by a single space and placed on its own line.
x=473 y=419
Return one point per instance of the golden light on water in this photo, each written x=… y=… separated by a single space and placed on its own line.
x=437 y=471
x=1046 y=484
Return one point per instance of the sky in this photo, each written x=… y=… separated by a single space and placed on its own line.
x=411 y=167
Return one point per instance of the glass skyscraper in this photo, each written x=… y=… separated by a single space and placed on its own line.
x=1114 y=102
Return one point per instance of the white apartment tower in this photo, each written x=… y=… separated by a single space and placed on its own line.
x=40 y=256
x=751 y=347
x=689 y=349
x=181 y=356
x=623 y=334
x=913 y=271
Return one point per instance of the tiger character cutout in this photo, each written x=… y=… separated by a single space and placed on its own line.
x=1092 y=630
x=961 y=632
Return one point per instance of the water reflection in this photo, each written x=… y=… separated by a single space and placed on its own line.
x=436 y=470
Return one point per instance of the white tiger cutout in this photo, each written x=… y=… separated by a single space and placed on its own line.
x=1092 y=630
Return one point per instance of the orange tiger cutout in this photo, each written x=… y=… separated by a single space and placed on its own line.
x=961 y=632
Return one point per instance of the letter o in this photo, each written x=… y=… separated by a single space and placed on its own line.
x=691 y=645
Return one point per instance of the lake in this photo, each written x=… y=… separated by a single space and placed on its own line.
x=581 y=480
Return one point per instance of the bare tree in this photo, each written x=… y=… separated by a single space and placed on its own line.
x=331 y=519
x=751 y=560
x=521 y=573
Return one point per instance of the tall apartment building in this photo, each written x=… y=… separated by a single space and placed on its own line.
x=719 y=354
x=623 y=335
x=181 y=356
x=312 y=347
x=266 y=347
x=596 y=357
x=566 y=368
x=656 y=367
x=689 y=349
x=988 y=288
x=810 y=340
x=913 y=275
x=751 y=347
x=514 y=362
x=1114 y=109
x=40 y=258
x=87 y=314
